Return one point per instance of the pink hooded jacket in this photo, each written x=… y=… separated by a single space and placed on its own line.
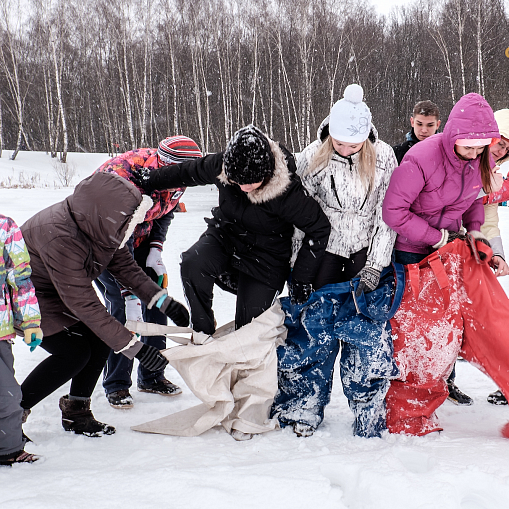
x=433 y=188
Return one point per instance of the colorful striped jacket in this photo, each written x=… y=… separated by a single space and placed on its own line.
x=18 y=303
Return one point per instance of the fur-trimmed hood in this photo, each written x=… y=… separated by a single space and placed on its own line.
x=276 y=186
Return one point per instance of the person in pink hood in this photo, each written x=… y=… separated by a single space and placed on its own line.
x=436 y=186
x=435 y=190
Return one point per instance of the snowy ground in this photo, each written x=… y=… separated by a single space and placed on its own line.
x=464 y=467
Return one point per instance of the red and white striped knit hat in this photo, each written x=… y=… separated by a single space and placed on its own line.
x=176 y=149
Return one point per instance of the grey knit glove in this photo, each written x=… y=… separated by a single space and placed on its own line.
x=370 y=277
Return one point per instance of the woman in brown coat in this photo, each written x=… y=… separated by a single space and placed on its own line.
x=70 y=244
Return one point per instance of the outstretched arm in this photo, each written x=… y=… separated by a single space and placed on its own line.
x=191 y=173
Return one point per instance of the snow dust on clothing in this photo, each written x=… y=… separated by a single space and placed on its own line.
x=330 y=319
x=355 y=213
x=158 y=218
x=433 y=188
x=71 y=243
x=447 y=310
x=257 y=227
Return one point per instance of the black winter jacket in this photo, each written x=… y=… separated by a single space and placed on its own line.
x=257 y=227
x=401 y=149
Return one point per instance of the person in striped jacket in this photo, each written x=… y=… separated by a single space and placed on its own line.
x=19 y=313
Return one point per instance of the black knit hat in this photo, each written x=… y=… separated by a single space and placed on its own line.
x=248 y=158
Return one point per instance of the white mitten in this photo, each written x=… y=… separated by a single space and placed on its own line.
x=155 y=262
x=133 y=309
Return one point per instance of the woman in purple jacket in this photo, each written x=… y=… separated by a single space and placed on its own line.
x=435 y=189
x=436 y=186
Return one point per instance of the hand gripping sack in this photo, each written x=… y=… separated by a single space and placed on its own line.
x=316 y=329
x=448 y=308
x=234 y=374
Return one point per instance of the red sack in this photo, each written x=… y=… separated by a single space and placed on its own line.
x=485 y=320
x=448 y=308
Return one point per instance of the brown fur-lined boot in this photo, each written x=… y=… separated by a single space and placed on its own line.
x=78 y=418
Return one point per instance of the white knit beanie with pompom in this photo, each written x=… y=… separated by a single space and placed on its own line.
x=350 y=118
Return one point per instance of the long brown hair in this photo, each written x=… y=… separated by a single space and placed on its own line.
x=485 y=167
x=367 y=161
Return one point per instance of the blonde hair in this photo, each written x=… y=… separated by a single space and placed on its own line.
x=366 y=166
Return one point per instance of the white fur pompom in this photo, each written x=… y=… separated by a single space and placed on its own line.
x=354 y=93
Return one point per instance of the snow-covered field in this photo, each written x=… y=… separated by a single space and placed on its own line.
x=465 y=467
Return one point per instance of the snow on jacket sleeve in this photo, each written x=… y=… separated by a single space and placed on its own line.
x=406 y=184
x=305 y=213
x=16 y=264
x=382 y=236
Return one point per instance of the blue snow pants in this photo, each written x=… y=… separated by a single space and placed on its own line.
x=333 y=317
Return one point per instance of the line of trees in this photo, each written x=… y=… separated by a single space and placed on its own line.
x=112 y=75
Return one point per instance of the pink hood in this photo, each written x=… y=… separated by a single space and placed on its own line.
x=433 y=188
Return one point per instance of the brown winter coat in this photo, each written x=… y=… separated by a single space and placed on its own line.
x=71 y=243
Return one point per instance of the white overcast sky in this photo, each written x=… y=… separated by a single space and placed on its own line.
x=385 y=6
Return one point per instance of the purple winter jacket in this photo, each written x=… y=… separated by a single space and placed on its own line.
x=433 y=188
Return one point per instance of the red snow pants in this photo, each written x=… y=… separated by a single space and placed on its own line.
x=453 y=304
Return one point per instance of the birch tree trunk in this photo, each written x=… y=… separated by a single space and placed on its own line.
x=480 y=67
x=58 y=82
x=440 y=42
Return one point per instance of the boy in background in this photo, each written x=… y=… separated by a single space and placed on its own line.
x=425 y=121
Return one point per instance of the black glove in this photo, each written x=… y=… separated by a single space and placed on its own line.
x=140 y=177
x=299 y=292
x=451 y=236
x=482 y=255
x=176 y=311
x=151 y=358
x=370 y=277
x=448 y=236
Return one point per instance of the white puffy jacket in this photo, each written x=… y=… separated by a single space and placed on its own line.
x=355 y=215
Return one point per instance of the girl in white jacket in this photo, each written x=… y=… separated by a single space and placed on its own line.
x=347 y=170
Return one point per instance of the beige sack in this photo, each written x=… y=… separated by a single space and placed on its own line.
x=234 y=375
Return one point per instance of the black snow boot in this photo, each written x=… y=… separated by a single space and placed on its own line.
x=497 y=398
x=78 y=418
x=458 y=397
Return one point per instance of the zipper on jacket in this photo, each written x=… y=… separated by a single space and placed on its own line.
x=366 y=198
x=372 y=240
x=333 y=185
x=348 y=158
x=459 y=196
